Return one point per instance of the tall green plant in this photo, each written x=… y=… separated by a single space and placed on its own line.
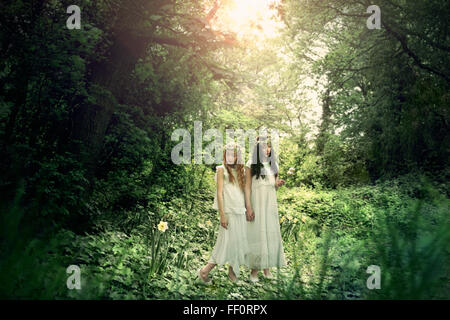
x=413 y=254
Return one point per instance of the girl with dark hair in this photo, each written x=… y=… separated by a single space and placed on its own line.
x=263 y=227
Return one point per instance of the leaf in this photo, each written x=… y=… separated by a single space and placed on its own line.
x=155 y=17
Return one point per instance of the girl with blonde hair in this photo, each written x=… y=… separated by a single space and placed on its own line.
x=231 y=246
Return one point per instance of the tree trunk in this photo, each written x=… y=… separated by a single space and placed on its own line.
x=326 y=121
x=108 y=89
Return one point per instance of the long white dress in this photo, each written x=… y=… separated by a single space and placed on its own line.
x=231 y=246
x=263 y=233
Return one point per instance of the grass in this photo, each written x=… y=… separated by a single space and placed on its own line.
x=330 y=237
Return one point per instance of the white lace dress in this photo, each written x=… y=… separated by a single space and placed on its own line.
x=231 y=245
x=263 y=233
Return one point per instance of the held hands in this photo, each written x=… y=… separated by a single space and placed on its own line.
x=224 y=221
x=250 y=214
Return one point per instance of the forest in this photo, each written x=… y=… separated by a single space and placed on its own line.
x=87 y=117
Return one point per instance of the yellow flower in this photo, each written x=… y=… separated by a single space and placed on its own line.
x=295 y=220
x=289 y=218
x=208 y=223
x=304 y=219
x=162 y=226
x=282 y=219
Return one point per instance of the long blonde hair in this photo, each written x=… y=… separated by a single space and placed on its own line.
x=239 y=164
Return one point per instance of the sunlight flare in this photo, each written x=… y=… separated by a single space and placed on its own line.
x=256 y=18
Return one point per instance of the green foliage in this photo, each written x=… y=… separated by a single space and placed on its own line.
x=338 y=165
x=329 y=237
x=29 y=263
x=412 y=250
x=86 y=118
x=384 y=93
x=398 y=224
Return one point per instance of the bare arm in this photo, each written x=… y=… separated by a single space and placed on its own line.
x=278 y=182
x=223 y=218
x=248 y=191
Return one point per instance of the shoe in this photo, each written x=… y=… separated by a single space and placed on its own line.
x=199 y=273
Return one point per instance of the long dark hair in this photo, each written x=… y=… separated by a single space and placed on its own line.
x=258 y=156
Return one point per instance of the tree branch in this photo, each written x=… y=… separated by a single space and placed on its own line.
x=407 y=50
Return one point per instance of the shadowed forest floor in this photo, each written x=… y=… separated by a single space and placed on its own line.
x=330 y=237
